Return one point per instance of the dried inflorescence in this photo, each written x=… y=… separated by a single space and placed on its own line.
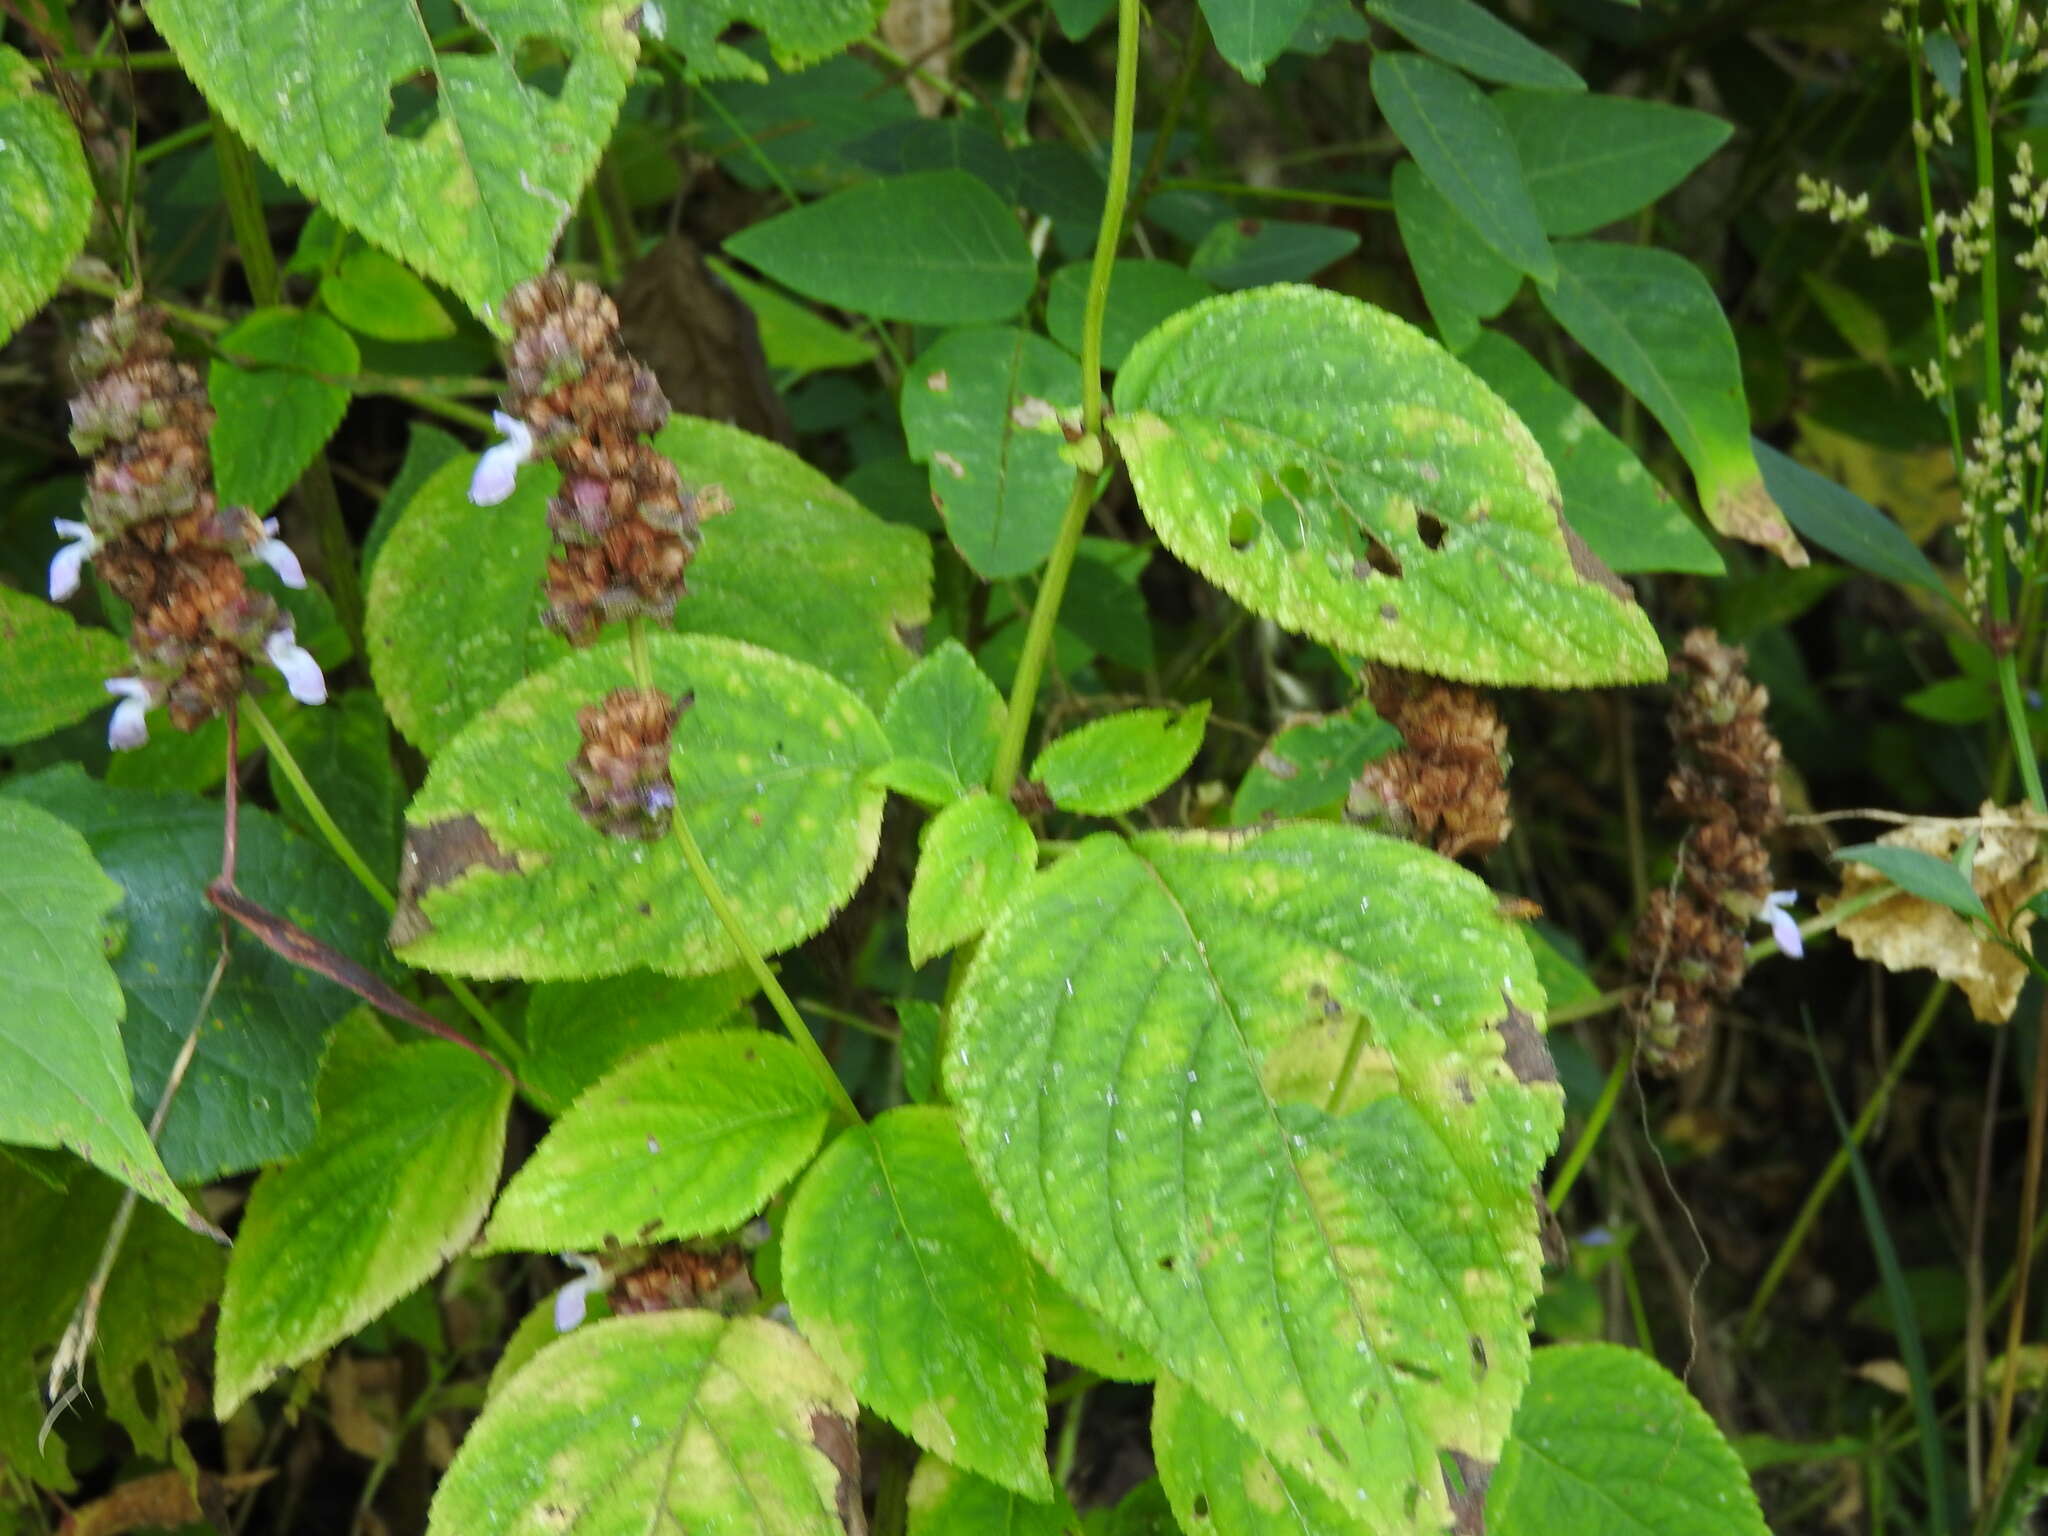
x=1448 y=785
x=1688 y=947
x=623 y=786
x=158 y=536
x=679 y=1279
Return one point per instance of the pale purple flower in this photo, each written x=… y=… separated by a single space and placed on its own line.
x=1784 y=927
x=69 y=562
x=573 y=1299
x=301 y=672
x=498 y=469
x=129 y=728
x=277 y=554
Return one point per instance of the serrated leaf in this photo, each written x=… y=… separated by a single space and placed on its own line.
x=974 y=856
x=1459 y=140
x=798 y=32
x=1844 y=524
x=63 y=1077
x=949 y=1501
x=1220 y=1483
x=1462 y=33
x=248 y=1096
x=1610 y=500
x=1302 y=501
x=685 y=1138
x=475 y=196
x=1141 y=295
x=915 y=1295
x=1250 y=34
x=1609 y=1443
x=917 y=1042
x=1272 y=1105
x=1649 y=318
x=945 y=721
x=1589 y=160
x=1462 y=281
x=1144 y=1511
x=772 y=767
x=1109 y=766
x=344 y=749
x=935 y=247
x=56 y=670
x=46 y=188
x=1000 y=486
x=372 y=294
x=1248 y=253
x=577 y=1031
x=1309 y=767
x=1072 y=1332
x=270 y=421
x=396 y=1181
x=673 y=1420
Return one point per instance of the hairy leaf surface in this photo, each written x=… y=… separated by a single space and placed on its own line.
x=46 y=188
x=1220 y=1483
x=1119 y=762
x=974 y=856
x=272 y=410
x=945 y=721
x=56 y=670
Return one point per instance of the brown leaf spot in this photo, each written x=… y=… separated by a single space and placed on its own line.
x=1468 y=1506
x=438 y=854
x=1588 y=566
x=1523 y=1049
x=834 y=1436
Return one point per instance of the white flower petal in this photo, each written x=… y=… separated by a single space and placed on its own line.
x=571 y=1301
x=498 y=470
x=277 y=554
x=301 y=672
x=68 y=564
x=1785 y=929
x=129 y=727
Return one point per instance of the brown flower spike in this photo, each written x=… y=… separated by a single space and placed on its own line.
x=1448 y=785
x=623 y=786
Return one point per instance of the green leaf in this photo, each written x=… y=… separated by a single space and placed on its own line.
x=945 y=721
x=1272 y=1105
x=475 y=193
x=1250 y=34
x=681 y=1421
x=163 y=1282
x=247 y=1098
x=919 y=1024
x=1954 y=701
x=372 y=294
x=686 y=1138
x=1844 y=524
x=1302 y=502
x=1141 y=295
x=63 y=1077
x=798 y=32
x=974 y=856
x=1462 y=33
x=56 y=671
x=1249 y=253
x=794 y=128
x=1218 y=1480
x=46 y=188
x=940 y=144
x=427 y=448
x=1000 y=486
x=1144 y=1511
x=1649 y=318
x=1109 y=766
x=1610 y=500
x=914 y=1294
x=577 y=1031
x=344 y=749
x=272 y=420
x=772 y=766
x=1462 y=281
x=1589 y=160
x=935 y=247
x=1308 y=768
x=1920 y=874
x=947 y=1501
x=1609 y=1443
x=792 y=336
x=1459 y=140
x=395 y=1183
x=1072 y=1332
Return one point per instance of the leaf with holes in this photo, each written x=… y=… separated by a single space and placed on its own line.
x=686 y=1138
x=974 y=856
x=799 y=32
x=911 y=1290
x=1220 y=1483
x=1111 y=765
x=454 y=162
x=1000 y=484
x=46 y=188
x=949 y=1501
x=1272 y=1105
x=56 y=670
x=944 y=721
x=1333 y=469
x=773 y=768
x=272 y=412
x=682 y=1421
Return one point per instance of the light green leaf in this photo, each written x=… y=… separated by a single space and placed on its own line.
x=1609 y=1443
x=1072 y=1332
x=948 y=1501
x=372 y=294
x=1000 y=486
x=1141 y=294
x=1250 y=34
x=63 y=1077
x=1249 y=253
x=681 y=1421
x=1456 y=135
x=247 y=1098
x=935 y=247
x=918 y=1024
x=56 y=671
x=974 y=856
x=46 y=188
x=577 y=1031
x=1144 y=1511
x=270 y=421
x=945 y=721
x=1610 y=500
x=1219 y=1481
x=1462 y=281
x=1844 y=524
x=1465 y=34
x=1920 y=874
x=686 y=1138
x=798 y=32
x=395 y=1183
x=915 y=1295
x=1110 y=765
x=1272 y=1105
x=476 y=192
x=772 y=768
x=792 y=336
x=1650 y=319
x=1309 y=767
x=427 y=448
x=344 y=749
x=1590 y=160
x=1303 y=502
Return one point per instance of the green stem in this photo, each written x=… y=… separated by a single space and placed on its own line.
x=245 y=214
x=1070 y=1441
x=1193 y=51
x=1589 y=1138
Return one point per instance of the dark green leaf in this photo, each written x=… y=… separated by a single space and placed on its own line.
x=1919 y=874
x=1462 y=281
x=1249 y=253
x=1467 y=35
x=1589 y=160
x=427 y=448
x=272 y=420
x=56 y=671
x=577 y=1031
x=918 y=1043
x=1141 y=295
x=939 y=144
x=1844 y=524
x=1250 y=34
x=344 y=749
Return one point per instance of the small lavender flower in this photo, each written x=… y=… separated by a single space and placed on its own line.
x=277 y=554
x=573 y=1299
x=129 y=727
x=1784 y=927
x=69 y=562
x=498 y=469
x=301 y=672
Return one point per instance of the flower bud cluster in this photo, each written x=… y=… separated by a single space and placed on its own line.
x=622 y=779
x=159 y=537
x=1448 y=785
